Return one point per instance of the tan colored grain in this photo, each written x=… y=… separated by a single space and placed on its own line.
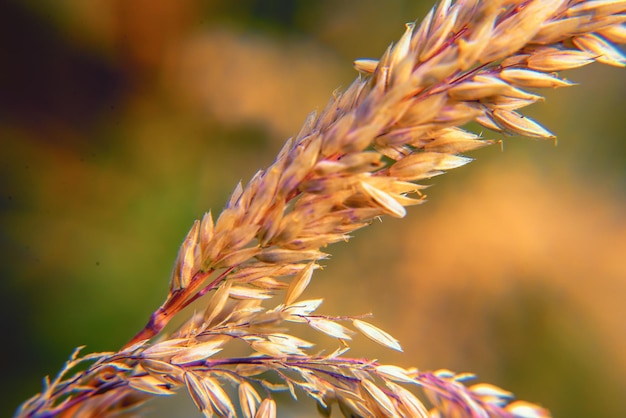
x=358 y=159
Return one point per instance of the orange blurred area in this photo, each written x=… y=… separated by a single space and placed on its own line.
x=122 y=122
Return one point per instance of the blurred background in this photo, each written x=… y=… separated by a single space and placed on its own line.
x=123 y=121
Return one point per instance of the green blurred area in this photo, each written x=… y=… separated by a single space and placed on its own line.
x=123 y=121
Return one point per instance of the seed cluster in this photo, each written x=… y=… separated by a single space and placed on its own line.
x=398 y=123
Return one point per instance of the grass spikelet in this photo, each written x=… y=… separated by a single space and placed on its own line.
x=401 y=121
x=377 y=335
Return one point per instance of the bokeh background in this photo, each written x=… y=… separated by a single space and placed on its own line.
x=123 y=121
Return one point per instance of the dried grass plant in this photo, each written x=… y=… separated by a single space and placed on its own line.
x=359 y=159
